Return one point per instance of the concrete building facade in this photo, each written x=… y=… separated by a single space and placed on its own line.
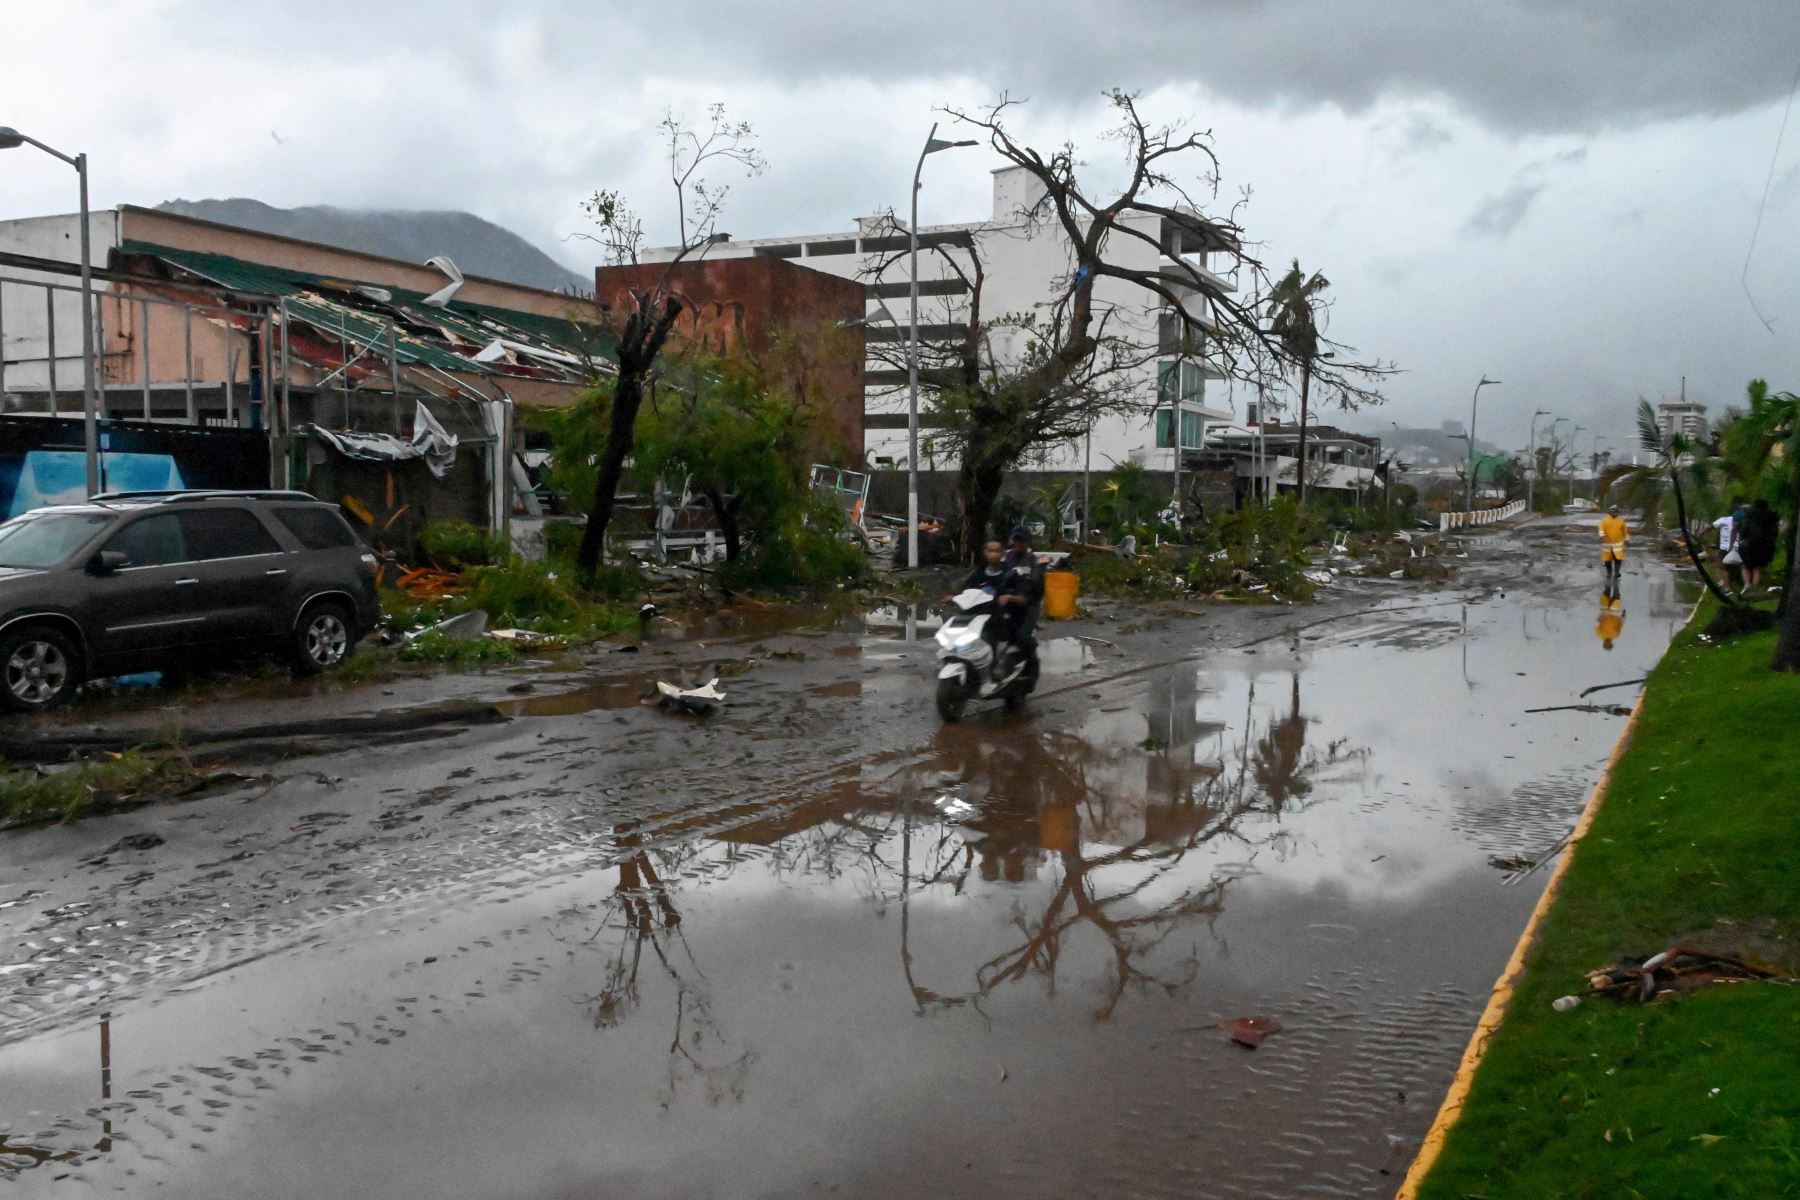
x=1025 y=264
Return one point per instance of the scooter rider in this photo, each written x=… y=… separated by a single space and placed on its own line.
x=1012 y=587
x=1023 y=559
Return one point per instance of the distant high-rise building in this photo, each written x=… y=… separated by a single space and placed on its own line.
x=1452 y=429
x=1681 y=416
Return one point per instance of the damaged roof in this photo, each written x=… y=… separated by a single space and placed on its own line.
x=458 y=338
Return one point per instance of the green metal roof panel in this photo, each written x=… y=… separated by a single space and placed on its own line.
x=472 y=322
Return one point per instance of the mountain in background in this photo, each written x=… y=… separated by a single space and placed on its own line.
x=478 y=247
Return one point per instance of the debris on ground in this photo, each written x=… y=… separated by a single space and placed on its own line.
x=130 y=842
x=1611 y=710
x=701 y=701
x=471 y=624
x=1511 y=862
x=1250 y=1031
x=1677 y=969
x=429 y=583
x=1607 y=687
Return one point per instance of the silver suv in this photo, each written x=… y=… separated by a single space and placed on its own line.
x=136 y=581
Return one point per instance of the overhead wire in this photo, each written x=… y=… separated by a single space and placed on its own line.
x=1774 y=158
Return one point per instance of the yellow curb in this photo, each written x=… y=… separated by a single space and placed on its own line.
x=1501 y=998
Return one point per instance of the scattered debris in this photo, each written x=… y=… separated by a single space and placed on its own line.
x=1677 y=969
x=702 y=701
x=1602 y=687
x=429 y=583
x=1250 y=1031
x=1510 y=862
x=467 y=625
x=520 y=637
x=1611 y=710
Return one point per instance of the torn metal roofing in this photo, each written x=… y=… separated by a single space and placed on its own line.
x=461 y=338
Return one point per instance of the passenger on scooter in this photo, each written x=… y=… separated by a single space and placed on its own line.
x=1011 y=587
x=1023 y=559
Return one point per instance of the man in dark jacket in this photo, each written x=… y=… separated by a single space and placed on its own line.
x=1758 y=531
x=1011 y=586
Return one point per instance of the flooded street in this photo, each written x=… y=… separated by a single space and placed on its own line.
x=822 y=945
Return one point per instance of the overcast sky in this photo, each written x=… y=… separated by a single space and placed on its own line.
x=1559 y=195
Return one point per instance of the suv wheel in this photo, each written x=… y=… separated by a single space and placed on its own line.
x=323 y=638
x=37 y=668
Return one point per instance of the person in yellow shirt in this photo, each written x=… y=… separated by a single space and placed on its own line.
x=1612 y=616
x=1612 y=537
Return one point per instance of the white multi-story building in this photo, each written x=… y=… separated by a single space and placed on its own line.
x=1681 y=416
x=1024 y=262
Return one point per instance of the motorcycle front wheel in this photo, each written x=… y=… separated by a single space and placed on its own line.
x=951 y=698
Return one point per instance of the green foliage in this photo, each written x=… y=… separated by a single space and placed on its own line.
x=459 y=544
x=1690 y=1095
x=28 y=795
x=750 y=452
x=1254 y=551
x=520 y=592
x=455 y=651
x=1126 y=502
x=577 y=439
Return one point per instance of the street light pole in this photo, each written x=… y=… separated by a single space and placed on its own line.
x=1531 y=452
x=1574 y=437
x=11 y=139
x=1469 y=492
x=932 y=146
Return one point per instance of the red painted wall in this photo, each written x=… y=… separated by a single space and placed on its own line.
x=737 y=305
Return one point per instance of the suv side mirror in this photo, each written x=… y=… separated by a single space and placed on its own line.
x=107 y=562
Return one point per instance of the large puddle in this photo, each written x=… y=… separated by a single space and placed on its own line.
x=993 y=964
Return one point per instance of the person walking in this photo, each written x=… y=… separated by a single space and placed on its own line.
x=1729 y=529
x=1613 y=535
x=1757 y=536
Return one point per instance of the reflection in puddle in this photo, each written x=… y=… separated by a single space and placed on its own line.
x=894 y=983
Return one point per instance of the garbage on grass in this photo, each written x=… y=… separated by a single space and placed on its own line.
x=471 y=624
x=1677 y=969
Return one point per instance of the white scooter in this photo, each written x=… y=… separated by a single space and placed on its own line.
x=970 y=669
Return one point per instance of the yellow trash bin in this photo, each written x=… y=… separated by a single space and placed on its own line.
x=1060 y=590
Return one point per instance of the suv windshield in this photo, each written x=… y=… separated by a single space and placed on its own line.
x=44 y=540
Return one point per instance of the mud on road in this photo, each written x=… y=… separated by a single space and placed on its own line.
x=820 y=943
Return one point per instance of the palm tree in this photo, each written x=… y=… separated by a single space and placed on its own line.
x=1666 y=453
x=1293 y=319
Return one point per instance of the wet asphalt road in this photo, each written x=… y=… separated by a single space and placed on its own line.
x=821 y=945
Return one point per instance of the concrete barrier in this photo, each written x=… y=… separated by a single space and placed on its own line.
x=1485 y=516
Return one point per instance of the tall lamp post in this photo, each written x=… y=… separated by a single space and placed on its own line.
x=1574 y=438
x=1531 y=462
x=12 y=139
x=1469 y=492
x=932 y=146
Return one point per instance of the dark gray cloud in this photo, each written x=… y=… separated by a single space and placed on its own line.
x=1519 y=65
x=1500 y=214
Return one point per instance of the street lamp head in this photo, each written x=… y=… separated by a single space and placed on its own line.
x=881 y=313
x=933 y=145
x=10 y=138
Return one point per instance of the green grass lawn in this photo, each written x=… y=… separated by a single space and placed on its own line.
x=1697 y=843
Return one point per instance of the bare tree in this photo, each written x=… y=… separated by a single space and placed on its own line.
x=653 y=311
x=1017 y=384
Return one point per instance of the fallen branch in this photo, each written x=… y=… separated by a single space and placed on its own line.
x=1601 y=687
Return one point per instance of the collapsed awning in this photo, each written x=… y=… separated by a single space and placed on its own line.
x=430 y=441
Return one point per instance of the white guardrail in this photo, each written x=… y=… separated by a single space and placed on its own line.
x=1485 y=516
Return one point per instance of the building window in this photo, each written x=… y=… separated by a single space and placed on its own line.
x=1185 y=378
x=1191 y=429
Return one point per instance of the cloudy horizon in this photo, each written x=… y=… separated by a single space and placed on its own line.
x=1559 y=196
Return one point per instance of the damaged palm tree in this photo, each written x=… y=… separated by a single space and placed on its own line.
x=654 y=311
x=1668 y=452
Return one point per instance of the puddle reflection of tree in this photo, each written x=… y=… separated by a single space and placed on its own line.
x=643 y=912
x=1045 y=788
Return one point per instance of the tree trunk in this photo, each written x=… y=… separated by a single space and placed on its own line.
x=977 y=491
x=1687 y=540
x=1305 y=389
x=628 y=397
x=1787 y=643
x=728 y=523
x=1783 y=607
x=639 y=343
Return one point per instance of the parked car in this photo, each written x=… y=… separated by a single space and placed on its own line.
x=139 y=581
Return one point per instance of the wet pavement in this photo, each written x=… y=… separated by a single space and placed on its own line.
x=820 y=944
